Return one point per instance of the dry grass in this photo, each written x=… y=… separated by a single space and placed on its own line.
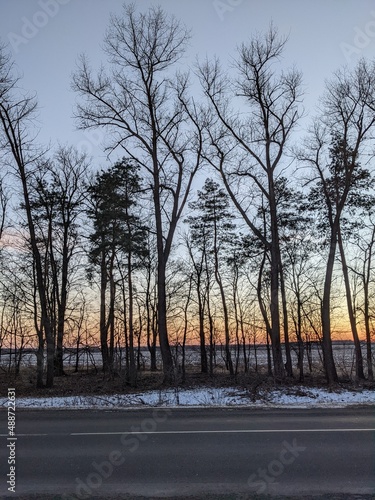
x=91 y=383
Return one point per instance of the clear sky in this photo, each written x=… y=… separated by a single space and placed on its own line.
x=46 y=37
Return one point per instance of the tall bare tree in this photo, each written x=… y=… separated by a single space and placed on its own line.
x=4 y=199
x=197 y=260
x=248 y=148
x=147 y=113
x=367 y=273
x=17 y=143
x=338 y=141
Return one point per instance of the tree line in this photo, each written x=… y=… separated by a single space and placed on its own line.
x=219 y=221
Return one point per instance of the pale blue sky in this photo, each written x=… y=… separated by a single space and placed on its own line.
x=323 y=35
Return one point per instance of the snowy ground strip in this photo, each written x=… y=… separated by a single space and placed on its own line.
x=301 y=397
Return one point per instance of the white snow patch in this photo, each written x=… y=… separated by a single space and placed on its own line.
x=314 y=397
x=301 y=397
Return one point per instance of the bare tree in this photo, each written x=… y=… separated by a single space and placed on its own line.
x=17 y=116
x=150 y=306
x=197 y=260
x=17 y=309
x=57 y=204
x=365 y=241
x=337 y=142
x=249 y=148
x=4 y=199
x=149 y=115
x=212 y=232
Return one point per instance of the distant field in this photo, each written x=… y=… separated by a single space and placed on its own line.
x=90 y=357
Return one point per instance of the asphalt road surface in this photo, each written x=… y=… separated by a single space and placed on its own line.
x=202 y=453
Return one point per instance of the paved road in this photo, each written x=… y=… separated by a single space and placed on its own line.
x=159 y=453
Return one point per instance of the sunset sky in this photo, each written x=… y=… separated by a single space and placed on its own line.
x=46 y=37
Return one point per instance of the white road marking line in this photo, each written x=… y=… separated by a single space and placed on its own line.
x=229 y=431
x=24 y=435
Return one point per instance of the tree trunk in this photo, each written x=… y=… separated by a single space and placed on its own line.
x=243 y=337
x=202 y=339
x=277 y=356
x=132 y=365
x=237 y=314
x=288 y=364
x=168 y=368
x=111 y=321
x=45 y=319
x=202 y=342
x=151 y=344
x=263 y=311
x=300 y=340
x=61 y=311
x=102 y=321
x=370 y=372
x=39 y=359
x=366 y=280
x=186 y=323
x=212 y=357
x=357 y=344
x=329 y=362
x=228 y=355
x=50 y=341
x=39 y=329
x=151 y=323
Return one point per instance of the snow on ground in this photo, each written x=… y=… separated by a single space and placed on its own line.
x=287 y=397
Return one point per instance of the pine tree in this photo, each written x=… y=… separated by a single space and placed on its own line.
x=117 y=231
